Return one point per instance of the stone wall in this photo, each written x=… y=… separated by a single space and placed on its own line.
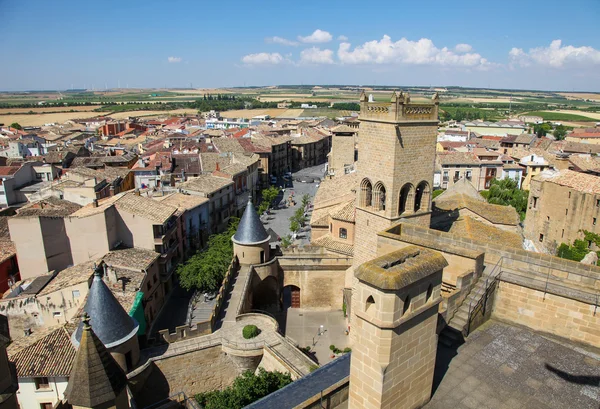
x=556 y=214
x=319 y=275
x=181 y=371
x=549 y=313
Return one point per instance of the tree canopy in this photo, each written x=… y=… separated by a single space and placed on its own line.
x=16 y=125
x=506 y=192
x=267 y=195
x=246 y=388
x=206 y=269
x=580 y=248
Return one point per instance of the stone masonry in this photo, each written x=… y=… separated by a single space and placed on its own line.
x=395 y=322
x=397 y=151
x=557 y=315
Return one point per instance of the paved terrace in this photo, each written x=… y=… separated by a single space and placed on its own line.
x=503 y=366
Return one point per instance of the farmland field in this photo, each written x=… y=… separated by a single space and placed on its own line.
x=273 y=112
x=564 y=115
x=5 y=111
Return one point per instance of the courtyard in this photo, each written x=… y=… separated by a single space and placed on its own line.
x=315 y=329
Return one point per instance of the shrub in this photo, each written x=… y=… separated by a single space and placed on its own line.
x=332 y=347
x=346 y=350
x=250 y=331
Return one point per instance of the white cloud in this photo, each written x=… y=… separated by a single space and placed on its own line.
x=315 y=55
x=463 y=48
x=263 y=58
x=342 y=38
x=174 y=59
x=556 y=55
x=404 y=51
x=280 y=40
x=318 y=36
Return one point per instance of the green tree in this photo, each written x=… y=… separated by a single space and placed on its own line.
x=542 y=129
x=16 y=125
x=294 y=226
x=206 y=269
x=305 y=200
x=286 y=241
x=505 y=192
x=246 y=388
x=267 y=196
x=560 y=132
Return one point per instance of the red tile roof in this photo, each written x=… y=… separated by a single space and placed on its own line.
x=8 y=170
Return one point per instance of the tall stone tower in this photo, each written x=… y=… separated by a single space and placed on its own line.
x=343 y=143
x=396 y=163
x=395 y=324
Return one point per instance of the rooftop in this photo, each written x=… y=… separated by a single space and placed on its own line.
x=495 y=214
x=581 y=182
x=206 y=184
x=49 y=207
x=336 y=189
x=481 y=232
x=250 y=230
x=400 y=268
x=458 y=158
x=182 y=201
x=52 y=354
x=334 y=245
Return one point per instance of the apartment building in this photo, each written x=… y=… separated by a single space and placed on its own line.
x=220 y=194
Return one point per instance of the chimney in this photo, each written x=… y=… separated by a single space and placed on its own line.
x=110 y=274
x=111 y=191
x=137 y=191
x=95 y=203
x=217 y=168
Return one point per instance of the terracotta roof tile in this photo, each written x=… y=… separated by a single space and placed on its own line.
x=582 y=182
x=333 y=245
x=51 y=355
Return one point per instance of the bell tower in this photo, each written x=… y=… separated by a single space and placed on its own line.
x=395 y=167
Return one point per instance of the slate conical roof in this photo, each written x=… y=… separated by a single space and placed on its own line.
x=111 y=323
x=96 y=378
x=250 y=230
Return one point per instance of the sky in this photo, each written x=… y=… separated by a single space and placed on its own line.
x=510 y=44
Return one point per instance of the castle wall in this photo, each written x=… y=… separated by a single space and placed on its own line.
x=551 y=313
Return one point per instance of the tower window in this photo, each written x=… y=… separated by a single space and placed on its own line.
x=343 y=233
x=368 y=305
x=429 y=292
x=406 y=305
x=541 y=237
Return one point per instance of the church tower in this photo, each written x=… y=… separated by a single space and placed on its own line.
x=395 y=167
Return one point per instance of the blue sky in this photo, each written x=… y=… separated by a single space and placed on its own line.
x=528 y=44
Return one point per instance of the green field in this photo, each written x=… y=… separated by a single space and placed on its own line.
x=558 y=116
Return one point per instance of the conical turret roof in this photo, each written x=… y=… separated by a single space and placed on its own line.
x=250 y=230
x=96 y=378
x=111 y=322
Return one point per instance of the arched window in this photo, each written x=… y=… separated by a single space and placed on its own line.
x=429 y=292
x=343 y=233
x=406 y=304
x=406 y=198
x=422 y=196
x=366 y=193
x=369 y=304
x=379 y=196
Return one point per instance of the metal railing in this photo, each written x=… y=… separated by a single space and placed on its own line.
x=481 y=303
x=548 y=283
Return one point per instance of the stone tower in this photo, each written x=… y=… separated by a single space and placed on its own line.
x=395 y=167
x=395 y=324
x=343 y=142
x=251 y=240
x=96 y=381
x=112 y=325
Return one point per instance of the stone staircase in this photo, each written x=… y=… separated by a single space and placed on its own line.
x=456 y=330
x=294 y=358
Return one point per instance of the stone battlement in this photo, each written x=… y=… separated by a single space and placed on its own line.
x=399 y=109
